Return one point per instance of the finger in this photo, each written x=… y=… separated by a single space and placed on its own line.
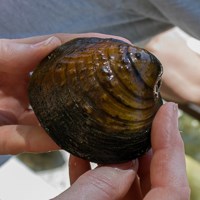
x=141 y=184
x=20 y=138
x=168 y=171
x=64 y=37
x=144 y=172
x=103 y=183
x=13 y=93
x=77 y=167
x=7 y=118
x=22 y=58
x=28 y=118
x=32 y=40
x=134 y=191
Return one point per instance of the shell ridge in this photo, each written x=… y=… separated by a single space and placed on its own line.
x=123 y=110
x=77 y=109
x=85 y=95
x=136 y=97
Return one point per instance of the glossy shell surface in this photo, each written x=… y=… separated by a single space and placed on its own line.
x=97 y=98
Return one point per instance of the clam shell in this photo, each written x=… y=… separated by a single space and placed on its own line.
x=97 y=98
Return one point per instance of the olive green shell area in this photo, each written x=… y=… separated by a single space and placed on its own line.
x=97 y=98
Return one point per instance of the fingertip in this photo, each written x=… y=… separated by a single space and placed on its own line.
x=132 y=165
x=165 y=126
x=168 y=149
x=169 y=108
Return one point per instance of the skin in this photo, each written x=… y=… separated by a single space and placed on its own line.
x=160 y=174
x=181 y=67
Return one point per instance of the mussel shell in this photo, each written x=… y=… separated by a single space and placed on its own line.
x=97 y=98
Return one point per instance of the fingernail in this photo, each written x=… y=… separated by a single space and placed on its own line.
x=128 y=165
x=175 y=108
x=123 y=170
x=174 y=113
x=49 y=41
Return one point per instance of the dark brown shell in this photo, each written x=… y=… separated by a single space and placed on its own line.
x=97 y=98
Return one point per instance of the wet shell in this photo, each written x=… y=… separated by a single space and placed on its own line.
x=97 y=98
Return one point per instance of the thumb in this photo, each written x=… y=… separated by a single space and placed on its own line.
x=17 y=57
x=103 y=183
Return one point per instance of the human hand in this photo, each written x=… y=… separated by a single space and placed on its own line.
x=19 y=128
x=180 y=80
x=19 y=131
x=161 y=173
